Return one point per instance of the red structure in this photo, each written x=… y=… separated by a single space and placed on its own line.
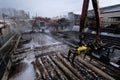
x=97 y=16
x=51 y=22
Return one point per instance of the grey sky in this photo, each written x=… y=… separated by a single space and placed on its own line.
x=51 y=8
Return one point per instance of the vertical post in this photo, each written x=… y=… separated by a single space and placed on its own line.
x=82 y=19
x=98 y=19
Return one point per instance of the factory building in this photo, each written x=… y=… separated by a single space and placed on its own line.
x=109 y=15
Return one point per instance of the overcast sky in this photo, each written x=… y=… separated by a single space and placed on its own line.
x=51 y=8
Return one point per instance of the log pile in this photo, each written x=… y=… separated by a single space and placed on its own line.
x=57 y=67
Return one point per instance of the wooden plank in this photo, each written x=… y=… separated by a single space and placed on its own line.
x=16 y=44
x=23 y=49
x=6 y=73
x=5 y=76
x=93 y=68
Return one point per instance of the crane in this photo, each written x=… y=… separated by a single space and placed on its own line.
x=42 y=21
x=88 y=48
x=95 y=47
x=83 y=18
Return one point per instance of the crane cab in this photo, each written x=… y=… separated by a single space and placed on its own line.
x=41 y=25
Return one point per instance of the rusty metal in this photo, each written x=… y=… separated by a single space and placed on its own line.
x=83 y=19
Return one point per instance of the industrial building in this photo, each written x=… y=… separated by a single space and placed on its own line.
x=74 y=18
x=109 y=15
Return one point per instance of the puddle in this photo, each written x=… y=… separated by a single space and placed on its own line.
x=25 y=74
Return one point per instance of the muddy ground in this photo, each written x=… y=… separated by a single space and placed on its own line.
x=40 y=45
x=45 y=58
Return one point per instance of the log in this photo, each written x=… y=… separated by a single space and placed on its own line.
x=68 y=65
x=22 y=49
x=67 y=72
x=96 y=70
x=45 y=74
x=50 y=69
x=39 y=76
x=60 y=74
x=107 y=69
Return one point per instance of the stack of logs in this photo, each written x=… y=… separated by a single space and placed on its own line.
x=57 y=67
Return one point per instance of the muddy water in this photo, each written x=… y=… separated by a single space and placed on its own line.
x=26 y=74
x=37 y=40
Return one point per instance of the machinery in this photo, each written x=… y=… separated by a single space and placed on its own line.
x=94 y=48
x=84 y=48
x=40 y=23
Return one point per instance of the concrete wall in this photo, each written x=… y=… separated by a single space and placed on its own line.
x=108 y=18
x=111 y=14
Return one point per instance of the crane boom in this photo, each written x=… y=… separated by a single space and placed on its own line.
x=83 y=19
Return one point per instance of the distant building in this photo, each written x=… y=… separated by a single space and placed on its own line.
x=13 y=13
x=109 y=15
x=71 y=16
x=74 y=18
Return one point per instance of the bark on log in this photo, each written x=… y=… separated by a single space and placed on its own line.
x=58 y=71
x=98 y=71
x=44 y=72
x=39 y=76
x=70 y=67
x=67 y=72
x=49 y=68
x=22 y=49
